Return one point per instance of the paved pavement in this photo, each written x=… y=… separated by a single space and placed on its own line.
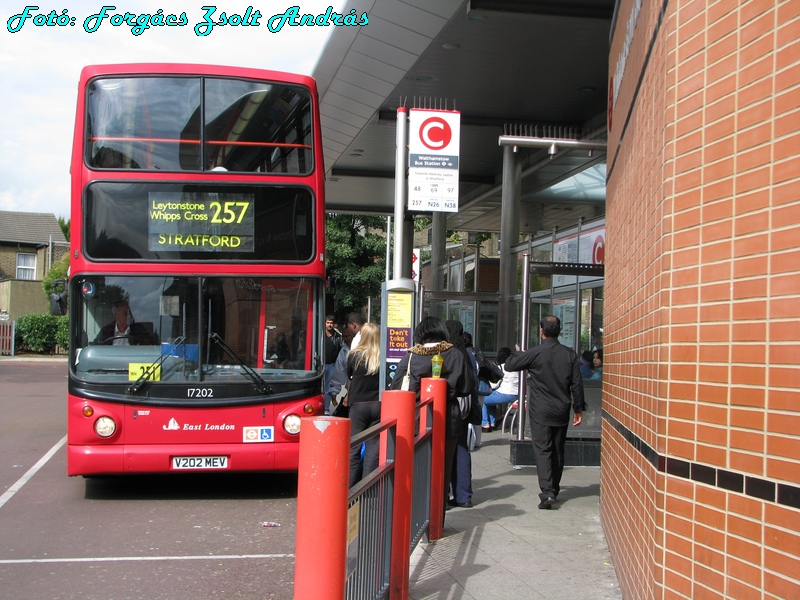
x=506 y=548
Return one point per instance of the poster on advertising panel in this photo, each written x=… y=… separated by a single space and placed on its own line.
x=586 y=248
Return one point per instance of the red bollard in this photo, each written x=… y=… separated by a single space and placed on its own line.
x=438 y=389
x=400 y=405
x=322 y=494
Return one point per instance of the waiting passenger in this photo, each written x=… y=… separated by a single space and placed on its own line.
x=597 y=363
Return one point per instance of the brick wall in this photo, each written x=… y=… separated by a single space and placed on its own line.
x=701 y=435
x=8 y=261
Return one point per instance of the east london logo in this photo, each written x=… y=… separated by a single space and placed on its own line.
x=211 y=19
x=173 y=425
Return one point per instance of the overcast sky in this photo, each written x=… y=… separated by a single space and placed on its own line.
x=40 y=66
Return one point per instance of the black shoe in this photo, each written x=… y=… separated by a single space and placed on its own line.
x=453 y=503
x=547 y=503
x=487 y=429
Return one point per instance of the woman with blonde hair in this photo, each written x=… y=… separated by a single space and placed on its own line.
x=363 y=398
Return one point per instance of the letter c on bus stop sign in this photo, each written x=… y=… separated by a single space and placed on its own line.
x=435 y=133
x=599 y=250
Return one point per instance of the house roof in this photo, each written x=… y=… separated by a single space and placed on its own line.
x=29 y=228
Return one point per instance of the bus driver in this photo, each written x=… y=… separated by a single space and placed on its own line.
x=121 y=331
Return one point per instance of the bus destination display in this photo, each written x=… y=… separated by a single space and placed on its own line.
x=200 y=222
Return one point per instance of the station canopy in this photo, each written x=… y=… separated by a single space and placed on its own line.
x=536 y=68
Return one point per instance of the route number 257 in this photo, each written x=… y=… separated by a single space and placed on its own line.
x=227 y=212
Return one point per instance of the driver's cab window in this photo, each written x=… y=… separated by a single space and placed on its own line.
x=195 y=328
x=121 y=329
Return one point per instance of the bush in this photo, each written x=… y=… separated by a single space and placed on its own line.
x=40 y=333
x=62 y=332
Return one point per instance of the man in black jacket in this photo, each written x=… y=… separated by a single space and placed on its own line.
x=333 y=345
x=555 y=384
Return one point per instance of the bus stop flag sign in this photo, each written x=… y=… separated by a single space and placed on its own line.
x=433 y=145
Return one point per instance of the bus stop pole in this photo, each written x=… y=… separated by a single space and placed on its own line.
x=523 y=343
x=400 y=166
x=322 y=494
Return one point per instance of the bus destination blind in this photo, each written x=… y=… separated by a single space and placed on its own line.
x=200 y=222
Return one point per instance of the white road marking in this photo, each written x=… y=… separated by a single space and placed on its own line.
x=31 y=472
x=42 y=461
x=26 y=561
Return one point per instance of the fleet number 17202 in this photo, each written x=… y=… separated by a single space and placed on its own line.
x=200 y=392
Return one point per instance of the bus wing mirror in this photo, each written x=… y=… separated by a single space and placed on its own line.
x=58 y=304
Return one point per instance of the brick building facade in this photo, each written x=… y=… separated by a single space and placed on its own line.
x=701 y=453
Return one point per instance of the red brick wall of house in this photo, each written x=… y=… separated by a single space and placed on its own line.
x=701 y=434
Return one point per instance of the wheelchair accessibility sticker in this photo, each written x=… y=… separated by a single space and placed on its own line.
x=258 y=434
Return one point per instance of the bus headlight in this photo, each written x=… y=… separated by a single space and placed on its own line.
x=292 y=424
x=105 y=427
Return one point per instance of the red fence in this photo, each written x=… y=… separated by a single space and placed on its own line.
x=324 y=527
x=6 y=338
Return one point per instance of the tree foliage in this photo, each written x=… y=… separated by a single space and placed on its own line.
x=355 y=260
x=64 y=224
x=58 y=271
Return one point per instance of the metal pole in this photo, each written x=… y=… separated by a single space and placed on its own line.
x=576 y=343
x=438 y=243
x=523 y=343
x=555 y=143
x=509 y=234
x=388 y=245
x=463 y=267
x=477 y=264
x=552 y=277
x=400 y=165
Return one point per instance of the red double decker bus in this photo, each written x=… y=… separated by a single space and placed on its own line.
x=197 y=269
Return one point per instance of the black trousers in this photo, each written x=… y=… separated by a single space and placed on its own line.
x=548 y=450
x=364 y=415
x=461 y=475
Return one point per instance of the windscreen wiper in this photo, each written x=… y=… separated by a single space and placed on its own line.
x=261 y=385
x=151 y=370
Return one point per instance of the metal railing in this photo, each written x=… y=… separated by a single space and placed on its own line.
x=370 y=509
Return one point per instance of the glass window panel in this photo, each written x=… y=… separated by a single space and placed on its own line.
x=149 y=123
x=26 y=266
x=257 y=127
